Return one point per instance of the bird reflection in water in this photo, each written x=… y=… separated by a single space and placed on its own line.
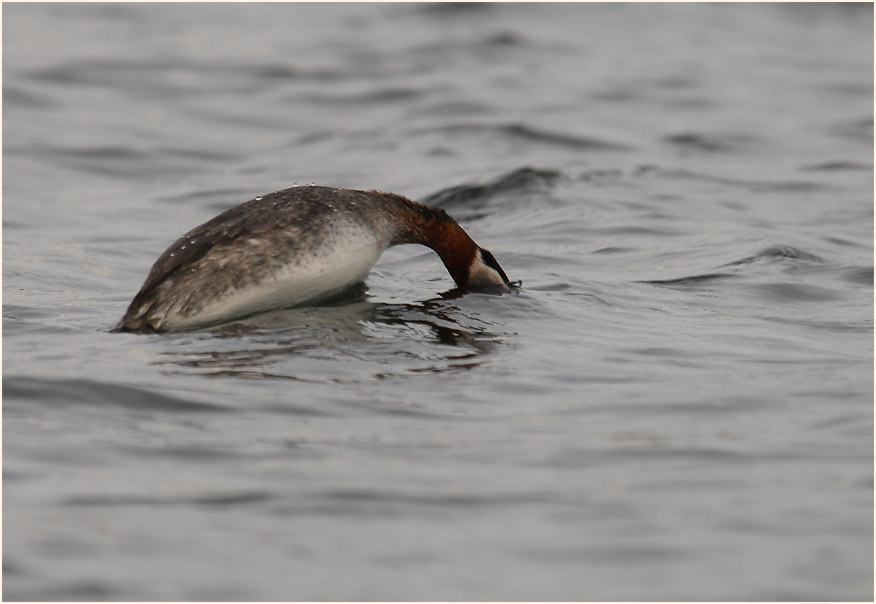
x=313 y=344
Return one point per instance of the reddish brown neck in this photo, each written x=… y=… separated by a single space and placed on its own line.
x=436 y=229
x=455 y=247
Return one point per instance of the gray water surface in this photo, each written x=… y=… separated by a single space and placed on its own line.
x=677 y=405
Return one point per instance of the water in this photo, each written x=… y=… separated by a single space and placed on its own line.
x=677 y=405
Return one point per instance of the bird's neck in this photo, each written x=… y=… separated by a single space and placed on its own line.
x=436 y=229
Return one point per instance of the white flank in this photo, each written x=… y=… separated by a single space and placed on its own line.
x=334 y=269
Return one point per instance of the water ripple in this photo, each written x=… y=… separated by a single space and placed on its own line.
x=690 y=281
x=778 y=252
x=521 y=180
x=206 y=499
x=708 y=143
x=755 y=186
x=529 y=134
x=795 y=292
x=96 y=393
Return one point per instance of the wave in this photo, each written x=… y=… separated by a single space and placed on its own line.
x=521 y=180
x=775 y=252
x=691 y=280
x=530 y=134
x=753 y=186
x=96 y=393
x=799 y=263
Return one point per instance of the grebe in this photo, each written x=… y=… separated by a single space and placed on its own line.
x=296 y=246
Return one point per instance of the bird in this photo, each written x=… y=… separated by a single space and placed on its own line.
x=299 y=246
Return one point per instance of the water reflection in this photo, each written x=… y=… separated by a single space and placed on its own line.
x=316 y=344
